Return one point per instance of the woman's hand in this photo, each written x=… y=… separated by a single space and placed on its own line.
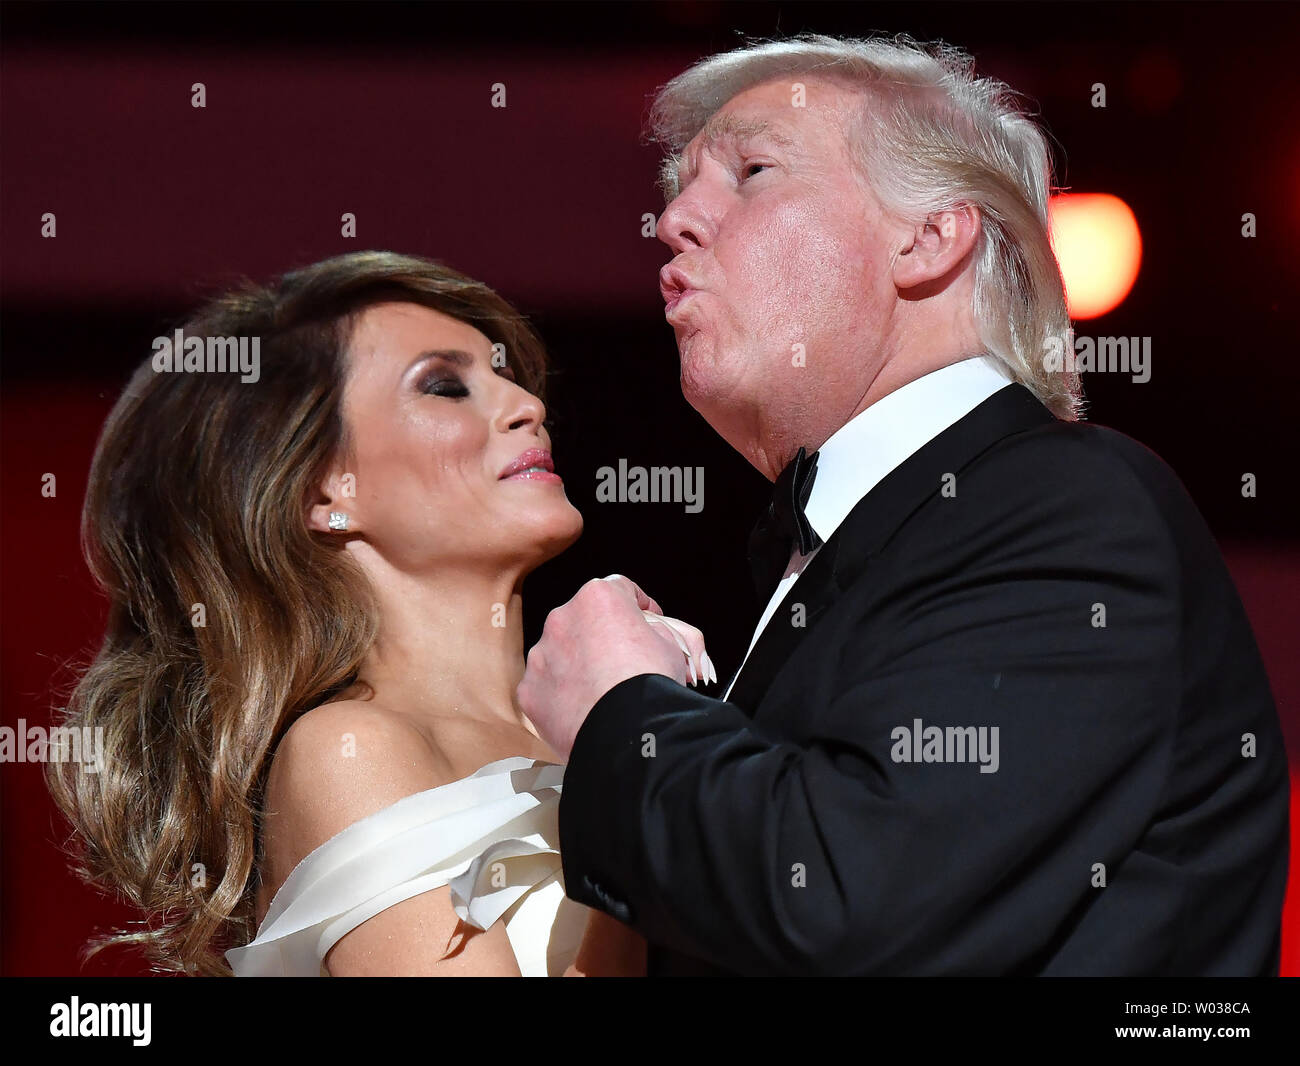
x=690 y=641
x=610 y=631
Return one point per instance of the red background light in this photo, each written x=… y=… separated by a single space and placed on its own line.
x=1098 y=246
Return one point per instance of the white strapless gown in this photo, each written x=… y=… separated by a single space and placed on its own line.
x=492 y=836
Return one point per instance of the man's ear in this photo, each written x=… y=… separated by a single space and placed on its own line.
x=335 y=494
x=939 y=243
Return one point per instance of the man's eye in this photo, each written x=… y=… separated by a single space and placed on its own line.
x=444 y=387
x=750 y=169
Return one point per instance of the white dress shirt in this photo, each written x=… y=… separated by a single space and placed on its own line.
x=867 y=448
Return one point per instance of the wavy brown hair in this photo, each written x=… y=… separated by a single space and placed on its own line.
x=198 y=494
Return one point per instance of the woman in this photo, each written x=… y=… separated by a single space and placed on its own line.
x=315 y=634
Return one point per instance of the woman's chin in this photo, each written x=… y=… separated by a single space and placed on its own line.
x=555 y=538
x=565 y=538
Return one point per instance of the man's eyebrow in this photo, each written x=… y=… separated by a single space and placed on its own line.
x=732 y=127
x=723 y=126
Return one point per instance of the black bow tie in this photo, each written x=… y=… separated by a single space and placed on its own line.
x=783 y=525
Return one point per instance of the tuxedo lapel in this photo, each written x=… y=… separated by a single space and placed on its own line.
x=873 y=520
x=815 y=591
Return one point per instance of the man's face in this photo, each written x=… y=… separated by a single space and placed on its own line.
x=779 y=291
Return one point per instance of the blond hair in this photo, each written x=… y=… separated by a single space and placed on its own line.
x=931 y=135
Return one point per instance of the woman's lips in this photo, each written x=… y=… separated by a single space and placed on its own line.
x=535 y=464
x=533 y=475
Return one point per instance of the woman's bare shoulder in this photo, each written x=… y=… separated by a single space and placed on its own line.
x=337 y=764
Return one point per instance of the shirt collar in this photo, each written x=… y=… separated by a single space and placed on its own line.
x=867 y=448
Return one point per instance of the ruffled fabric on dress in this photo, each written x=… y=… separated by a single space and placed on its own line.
x=493 y=837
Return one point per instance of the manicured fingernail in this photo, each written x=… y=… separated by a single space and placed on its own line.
x=708 y=665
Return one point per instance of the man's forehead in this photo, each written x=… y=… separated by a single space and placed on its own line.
x=764 y=111
x=769 y=110
x=741 y=124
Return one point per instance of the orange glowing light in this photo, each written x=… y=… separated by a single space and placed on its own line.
x=1098 y=247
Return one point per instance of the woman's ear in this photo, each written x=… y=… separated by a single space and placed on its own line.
x=939 y=243
x=333 y=510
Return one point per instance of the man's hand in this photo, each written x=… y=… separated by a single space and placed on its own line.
x=608 y=632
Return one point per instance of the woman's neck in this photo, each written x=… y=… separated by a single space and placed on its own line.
x=449 y=645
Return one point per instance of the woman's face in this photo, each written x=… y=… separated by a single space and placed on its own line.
x=438 y=437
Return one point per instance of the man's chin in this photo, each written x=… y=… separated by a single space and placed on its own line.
x=713 y=401
x=705 y=382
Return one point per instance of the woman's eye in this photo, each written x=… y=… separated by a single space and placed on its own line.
x=444 y=387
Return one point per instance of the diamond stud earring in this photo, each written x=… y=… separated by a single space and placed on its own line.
x=338 y=520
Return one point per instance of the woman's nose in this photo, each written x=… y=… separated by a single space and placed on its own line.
x=526 y=410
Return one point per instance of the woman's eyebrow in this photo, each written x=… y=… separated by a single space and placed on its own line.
x=456 y=356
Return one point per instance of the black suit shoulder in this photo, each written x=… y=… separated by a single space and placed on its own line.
x=1106 y=474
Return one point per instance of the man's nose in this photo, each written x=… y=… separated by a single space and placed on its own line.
x=684 y=224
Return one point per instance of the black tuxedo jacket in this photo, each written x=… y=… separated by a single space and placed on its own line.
x=1063 y=590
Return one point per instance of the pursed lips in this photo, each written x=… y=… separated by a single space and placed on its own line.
x=675 y=286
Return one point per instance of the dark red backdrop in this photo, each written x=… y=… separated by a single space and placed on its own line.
x=384 y=112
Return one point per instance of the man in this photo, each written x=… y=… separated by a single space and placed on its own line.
x=1004 y=713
